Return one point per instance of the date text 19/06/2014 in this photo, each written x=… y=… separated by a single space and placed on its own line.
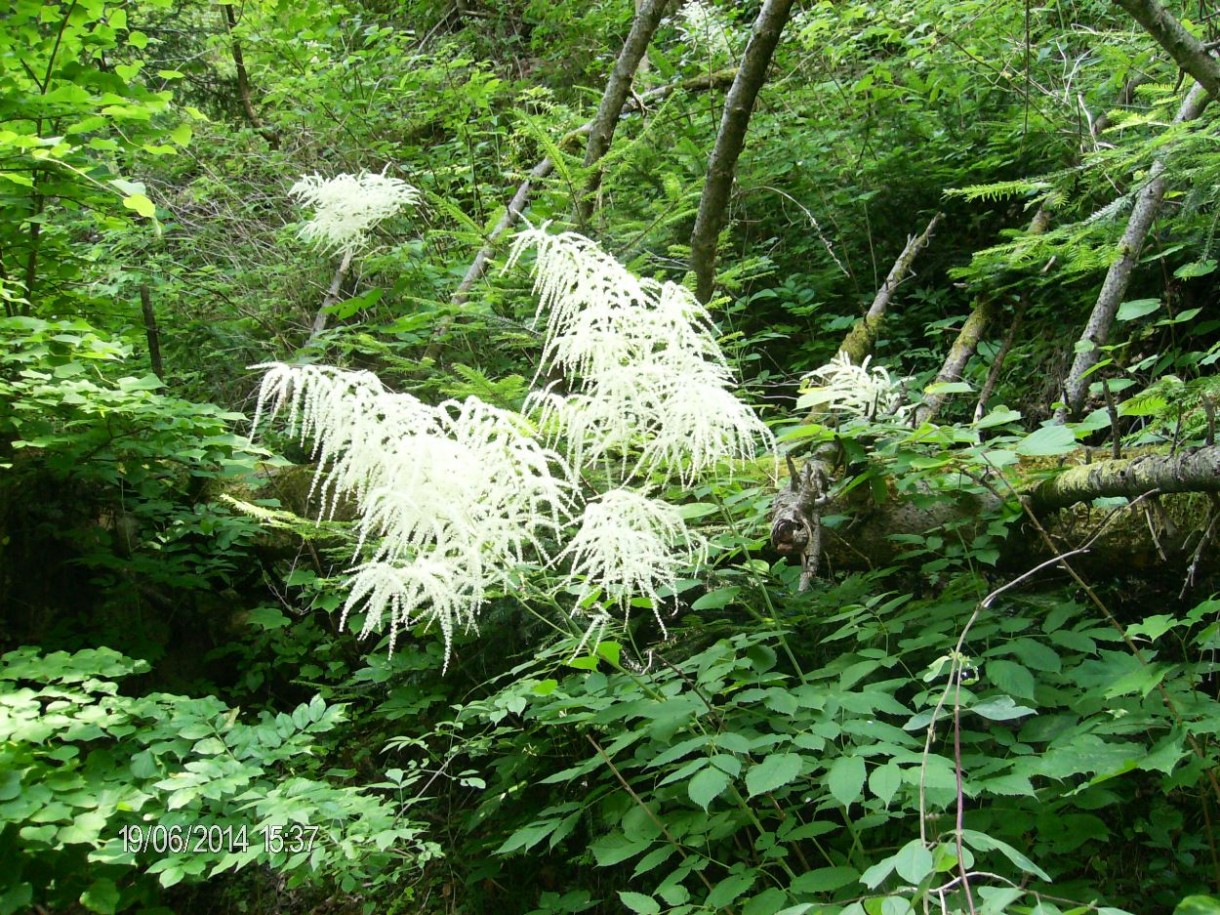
x=200 y=838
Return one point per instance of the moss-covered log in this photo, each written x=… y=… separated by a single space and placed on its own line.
x=1163 y=527
x=1196 y=470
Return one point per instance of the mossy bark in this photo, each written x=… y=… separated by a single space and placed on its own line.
x=1162 y=528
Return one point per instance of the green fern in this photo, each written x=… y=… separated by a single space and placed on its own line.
x=506 y=393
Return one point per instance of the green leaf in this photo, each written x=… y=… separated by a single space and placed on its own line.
x=639 y=903
x=268 y=618
x=1048 y=440
x=1010 y=677
x=913 y=861
x=884 y=782
x=714 y=600
x=824 y=879
x=776 y=770
x=1036 y=655
x=730 y=888
x=616 y=847
x=1001 y=708
x=1196 y=268
x=873 y=877
x=10 y=784
x=768 y=902
x=846 y=779
x=707 y=785
x=1143 y=679
x=141 y=204
x=1198 y=905
x=102 y=896
x=1137 y=308
x=980 y=841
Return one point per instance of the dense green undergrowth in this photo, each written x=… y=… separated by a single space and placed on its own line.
x=186 y=724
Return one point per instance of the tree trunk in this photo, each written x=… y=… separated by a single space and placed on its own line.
x=997 y=364
x=731 y=138
x=1097 y=330
x=1196 y=470
x=601 y=131
x=1186 y=50
x=243 y=81
x=860 y=339
x=971 y=335
x=516 y=206
x=1130 y=539
x=963 y=348
x=151 y=332
x=332 y=297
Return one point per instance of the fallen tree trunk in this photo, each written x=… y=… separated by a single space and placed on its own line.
x=1170 y=501
x=863 y=335
x=1187 y=471
x=1097 y=330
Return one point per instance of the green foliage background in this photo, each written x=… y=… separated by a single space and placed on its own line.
x=170 y=662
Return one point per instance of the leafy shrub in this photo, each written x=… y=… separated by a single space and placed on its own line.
x=102 y=792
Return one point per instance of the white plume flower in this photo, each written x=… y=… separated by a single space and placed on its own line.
x=854 y=390
x=451 y=497
x=652 y=379
x=347 y=207
x=705 y=28
x=627 y=545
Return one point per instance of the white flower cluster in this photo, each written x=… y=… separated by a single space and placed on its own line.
x=453 y=496
x=347 y=207
x=855 y=390
x=651 y=379
x=627 y=544
x=706 y=29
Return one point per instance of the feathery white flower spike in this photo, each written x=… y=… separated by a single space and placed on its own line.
x=452 y=497
x=705 y=28
x=854 y=390
x=652 y=379
x=347 y=207
x=627 y=545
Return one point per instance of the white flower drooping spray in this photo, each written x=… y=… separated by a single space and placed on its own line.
x=453 y=498
x=841 y=386
x=347 y=207
x=651 y=378
x=705 y=28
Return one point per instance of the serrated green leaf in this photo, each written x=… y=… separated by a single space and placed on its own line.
x=639 y=903
x=1048 y=440
x=1137 y=308
x=845 y=780
x=913 y=861
x=714 y=600
x=730 y=888
x=775 y=771
x=707 y=785
x=1001 y=708
x=1010 y=677
x=824 y=879
x=980 y=841
x=884 y=781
